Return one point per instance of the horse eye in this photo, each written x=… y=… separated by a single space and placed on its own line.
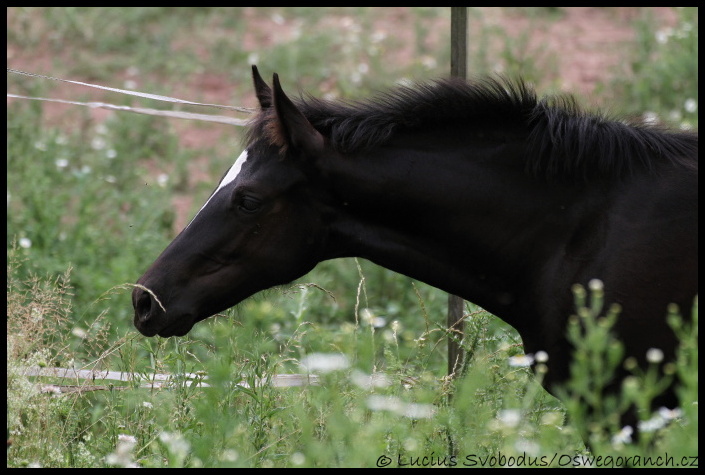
x=249 y=205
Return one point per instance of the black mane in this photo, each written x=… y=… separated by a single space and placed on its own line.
x=562 y=140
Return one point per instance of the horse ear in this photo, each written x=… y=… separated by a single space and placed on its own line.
x=263 y=92
x=294 y=128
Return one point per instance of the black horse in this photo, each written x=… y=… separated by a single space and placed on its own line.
x=479 y=189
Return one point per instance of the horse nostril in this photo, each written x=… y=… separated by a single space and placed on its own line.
x=143 y=305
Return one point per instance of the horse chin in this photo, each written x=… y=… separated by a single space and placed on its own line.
x=167 y=332
x=183 y=324
x=179 y=327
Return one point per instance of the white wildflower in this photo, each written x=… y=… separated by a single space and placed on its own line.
x=654 y=355
x=521 y=361
x=123 y=452
x=652 y=425
x=595 y=285
x=541 y=357
x=624 y=436
x=670 y=414
x=691 y=105
x=650 y=118
x=509 y=417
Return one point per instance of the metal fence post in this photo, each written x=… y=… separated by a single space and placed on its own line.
x=458 y=68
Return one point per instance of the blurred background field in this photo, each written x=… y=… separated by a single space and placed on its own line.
x=94 y=196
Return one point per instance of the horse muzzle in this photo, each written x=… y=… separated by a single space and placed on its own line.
x=151 y=317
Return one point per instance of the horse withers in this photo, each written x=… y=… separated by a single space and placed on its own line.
x=477 y=188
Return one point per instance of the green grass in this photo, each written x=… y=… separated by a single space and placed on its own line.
x=403 y=415
x=86 y=195
x=665 y=71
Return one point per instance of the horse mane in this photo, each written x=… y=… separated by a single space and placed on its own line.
x=563 y=141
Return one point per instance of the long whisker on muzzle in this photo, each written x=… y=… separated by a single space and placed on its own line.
x=150 y=292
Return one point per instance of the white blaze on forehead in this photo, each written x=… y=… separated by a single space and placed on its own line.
x=228 y=178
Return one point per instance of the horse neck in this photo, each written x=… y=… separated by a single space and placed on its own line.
x=462 y=217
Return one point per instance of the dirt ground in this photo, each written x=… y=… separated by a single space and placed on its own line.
x=582 y=43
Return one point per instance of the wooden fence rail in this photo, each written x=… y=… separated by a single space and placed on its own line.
x=152 y=381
